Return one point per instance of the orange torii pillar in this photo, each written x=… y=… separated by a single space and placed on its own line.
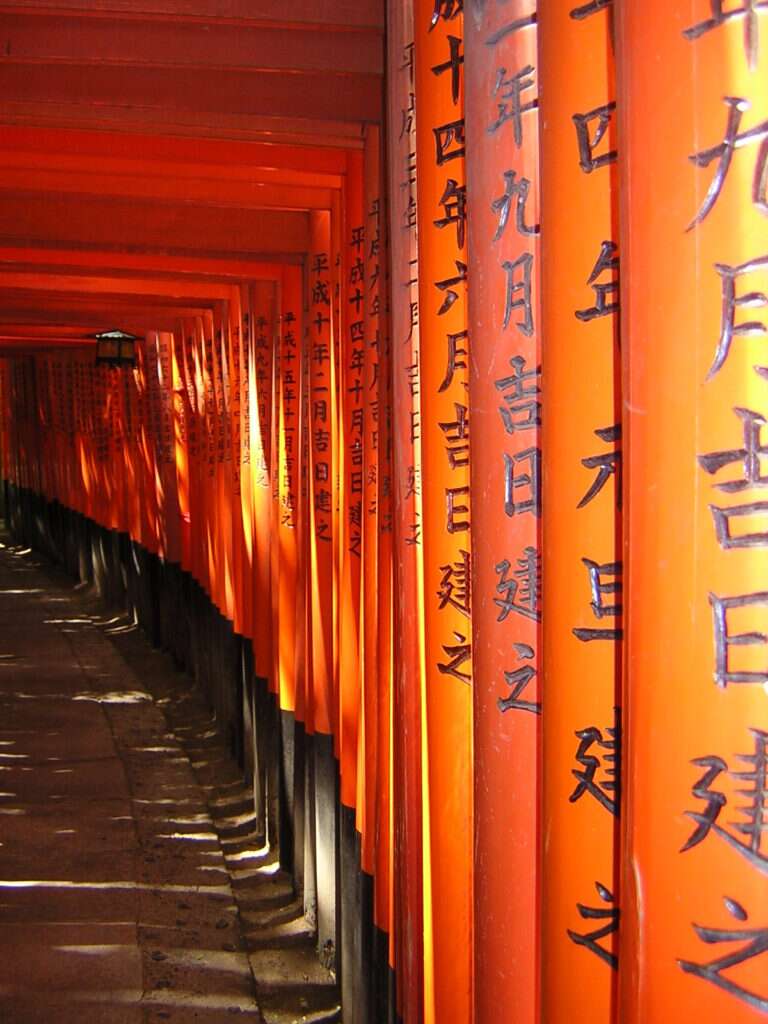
x=351 y=424
x=505 y=400
x=231 y=350
x=322 y=465
x=694 y=933
x=406 y=497
x=262 y=337
x=447 y=549
x=182 y=444
x=376 y=651
x=582 y=588
x=288 y=465
x=323 y=469
x=357 y=588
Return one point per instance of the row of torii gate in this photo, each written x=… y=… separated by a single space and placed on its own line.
x=472 y=459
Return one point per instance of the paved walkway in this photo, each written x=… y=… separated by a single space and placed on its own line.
x=116 y=904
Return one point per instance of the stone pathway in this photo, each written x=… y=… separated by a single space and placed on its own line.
x=135 y=886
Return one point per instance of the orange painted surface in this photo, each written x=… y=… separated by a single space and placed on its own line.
x=182 y=426
x=408 y=676
x=695 y=905
x=323 y=440
x=384 y=825
x=289 y=481
x=506 y=410
x=148 y=510
x=224 y=498
x=370 y=312
x=352 y=411
x=232 y=335
x=581 y=551
x=446 y=510
x=261 y=334
x=303 y=637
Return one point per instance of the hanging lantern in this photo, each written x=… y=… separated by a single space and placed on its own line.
x=115 y=348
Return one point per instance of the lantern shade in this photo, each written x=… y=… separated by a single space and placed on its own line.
x=116 y=348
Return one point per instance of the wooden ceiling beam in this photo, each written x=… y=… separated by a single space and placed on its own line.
x=276 y=94
x=157 y=149
x=143 y=288
x=133 y=225
x=293 y=132
x=23 y=182
x=12 y=157
x=342 y=14
x=84 y=261
x=127 y=41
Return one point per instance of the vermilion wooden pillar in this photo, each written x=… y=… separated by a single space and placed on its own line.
x=407 y=522
x=226 y=501
x=212 y=542
x=182 y=417
x=446 y=506
x=367 y=779
x=231 y=349
x=352 y=412
x=242 y=359
x=694 y=935
x=321 y=468
x=262 y=343
x=582 y=584
x=288 y=468
x=168 y=426
x=505 y=402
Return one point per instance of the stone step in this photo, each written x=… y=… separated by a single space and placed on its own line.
x=234 y=823
x=254 y=839
x=265 y=892
x=332 y=1015
x=272 y=916
x=281 y=935
x=292 y=979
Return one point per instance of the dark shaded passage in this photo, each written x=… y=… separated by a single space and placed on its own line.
x=128 y=841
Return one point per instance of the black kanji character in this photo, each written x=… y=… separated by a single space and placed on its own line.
x=457 y=435
x=510 y=100
x=454 y=204
x=724 y=640
x=589 y=143
x=598 y=589
x=456 y=356
x=519 y=191
x=531 y=502
x=607 y=791
x=606 y=465
x=457 y=654
x=445 y=10
x=456 y=585
x=447 y=287
x=749 y=10
x=521 y=592
x=607 y=263
x=453 y=64
x=523 y=409
x=730 y=301
x=450 y=141
x=452 y=509
x=591 y=940
x=723 y=517
x=723 y=153
x=523 y=286
x=518 y=680
x=749 y=456
x=756 y=940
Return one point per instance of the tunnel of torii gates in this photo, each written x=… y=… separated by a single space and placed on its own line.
x=442 y=458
